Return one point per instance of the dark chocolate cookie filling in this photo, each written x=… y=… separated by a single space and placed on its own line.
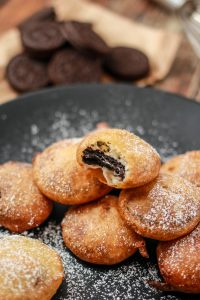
x=96 y=157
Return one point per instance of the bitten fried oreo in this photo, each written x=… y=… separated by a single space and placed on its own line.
x=22 y=206
x=41 y=39
x=179 y=263
x=119 y=158
x=82 y=37
x=26 y=74
x=96 y=233
x=164 y=209
x=60 y=178
x=186 y=165
x=69 y=66
x=127 y=63
x=29 y=269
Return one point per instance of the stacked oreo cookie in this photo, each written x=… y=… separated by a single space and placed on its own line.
x=66 y=53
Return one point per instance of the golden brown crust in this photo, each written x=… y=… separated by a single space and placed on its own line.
x=29 y=269
x=165 y=209
x=179 y=263
x=96 y=233
x=139 y=161
x=59 y=176
x=22 y=205
x=186 y=165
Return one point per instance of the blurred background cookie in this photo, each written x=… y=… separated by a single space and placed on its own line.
x=69 y=66
x=22 y=206
x=127 y=63
x=59 y=176
x=26 y=74
x=96 y=233
x=43 y=15
x=41 y=39
x=29 y=269
x=164 y=209
x=82 y=36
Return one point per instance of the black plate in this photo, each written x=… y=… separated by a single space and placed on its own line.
x=29 y=124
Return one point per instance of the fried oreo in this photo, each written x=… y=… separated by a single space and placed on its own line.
x=26 y=74
x=22 y=206
x=69 y=66
x=186 y=165
x=127 y=63
x=164 y=209
x=29 y=269
x=119 y=158
x=96 y=233
x=60 y=178
x=82 y=36
x=41 y=39
x=179 y=264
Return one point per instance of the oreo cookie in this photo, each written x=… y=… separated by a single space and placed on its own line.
x=82 y=37
x=43 y=15
x=41 y=39
x=69 y=66
x=127 y=63
x=25 y=74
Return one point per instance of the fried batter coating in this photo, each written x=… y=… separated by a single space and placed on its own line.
x=164 y=209
x=59 y=176
x=96 y=233
x=22 y=206
x=186 y=165
x=179 y=263
x=29 y=269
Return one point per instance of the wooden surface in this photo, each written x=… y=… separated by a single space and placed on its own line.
x=185 y=73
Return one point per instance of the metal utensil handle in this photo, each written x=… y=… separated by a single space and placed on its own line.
x=172 y=4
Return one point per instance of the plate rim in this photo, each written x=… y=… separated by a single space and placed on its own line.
x=27 y=96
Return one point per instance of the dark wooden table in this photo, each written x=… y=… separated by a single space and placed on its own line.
x=185 y=73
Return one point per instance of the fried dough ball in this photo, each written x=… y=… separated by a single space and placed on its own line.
x=165 y=209
x=22 y=206
x=186 y=165
x=179 y=263
x=59 y=176
x=119 y=158
x=29 y=269
x=96 y=233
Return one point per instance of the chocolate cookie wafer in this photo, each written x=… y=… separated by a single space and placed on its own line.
x=43 y=15
x=41 y=39
x=26 y=74
x=81 y=36
x=70 y=66
x=127 y=63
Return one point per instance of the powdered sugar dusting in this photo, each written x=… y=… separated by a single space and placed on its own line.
x=166 y=209
x=84 y=281
x=36 y=139
x=182 y=257
x=27 y=267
